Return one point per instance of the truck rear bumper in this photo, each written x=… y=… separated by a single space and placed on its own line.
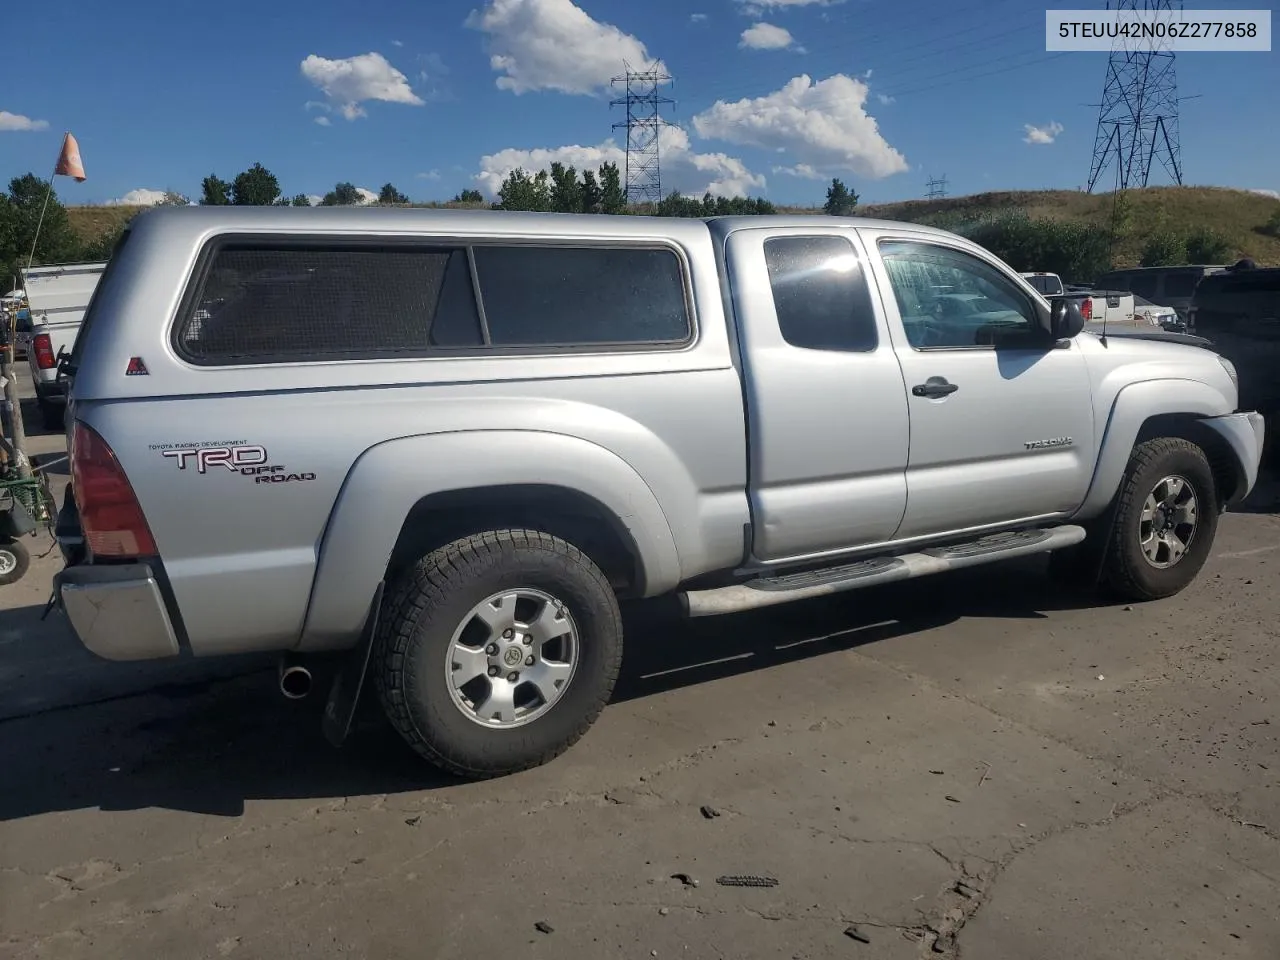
x=117 y=612
x=1244 y=433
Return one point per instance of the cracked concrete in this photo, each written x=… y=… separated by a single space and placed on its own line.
x=1005 y=773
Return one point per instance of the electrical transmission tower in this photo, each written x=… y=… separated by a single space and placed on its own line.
x=937 y=188
x=644 y=123
x=1138 y=116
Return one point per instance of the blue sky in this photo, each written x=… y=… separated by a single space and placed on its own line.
x=774 y=97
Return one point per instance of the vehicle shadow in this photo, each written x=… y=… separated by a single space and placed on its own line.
x=207 y=743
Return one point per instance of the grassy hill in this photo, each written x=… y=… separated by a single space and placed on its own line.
x=1236 y=214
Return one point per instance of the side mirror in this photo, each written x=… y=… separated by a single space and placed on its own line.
x=1065 y=318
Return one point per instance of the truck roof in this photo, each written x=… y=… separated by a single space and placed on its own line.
x=176 y=222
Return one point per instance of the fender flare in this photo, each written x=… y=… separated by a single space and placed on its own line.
x=388 y=479
x=1134 y=405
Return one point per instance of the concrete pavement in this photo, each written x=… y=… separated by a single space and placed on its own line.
x=976 y=765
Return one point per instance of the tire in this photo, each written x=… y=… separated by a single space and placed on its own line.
x=427 y=642
x=14 y=561
x=1128 y=570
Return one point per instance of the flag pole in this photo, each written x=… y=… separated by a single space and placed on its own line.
x=40 y=223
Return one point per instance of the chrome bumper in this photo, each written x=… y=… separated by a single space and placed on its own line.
x=117 y=612
x=1244 y=433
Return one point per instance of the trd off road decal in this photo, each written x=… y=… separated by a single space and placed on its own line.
x=243 y=459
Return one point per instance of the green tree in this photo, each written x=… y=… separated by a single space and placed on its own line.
x=1164 y=248
x=255 y=187
x=174 y=199
x=841 y=201
x=342 y=195
x=469 y=196
x=19 y=217
x=592 y=195
x=613 y=199
x=215 y=192
x=520 y=191
x=566 y=191
x=301 y=200
x=389 y=194
x=1208 y=246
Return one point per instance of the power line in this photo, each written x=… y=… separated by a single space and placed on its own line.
x=1138 y=116
x=644 y=123
x=937 y=188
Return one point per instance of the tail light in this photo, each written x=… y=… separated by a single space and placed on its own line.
x=1086 y=309
x=110 y=515
x=42 y=344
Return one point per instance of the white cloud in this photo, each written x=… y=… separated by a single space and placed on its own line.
x=553 y=45
x=323 y=120
x=754 y=8
x=348 y=83
x=884 y=99
x=765 y=36
x=697 y=18
x=429 y=175
x=682 y=168
x=16 y=121
x=397 y=43
x=141 y=197
x=1273 y=194
x=366 y=196
x=314 y=199
x=1042 y=134
x=824 y=126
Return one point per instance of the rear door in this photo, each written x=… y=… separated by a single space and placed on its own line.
x=827 y=411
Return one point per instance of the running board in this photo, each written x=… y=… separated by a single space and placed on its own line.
x=768 y=591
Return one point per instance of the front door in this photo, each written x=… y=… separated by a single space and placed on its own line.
x=1001 y=425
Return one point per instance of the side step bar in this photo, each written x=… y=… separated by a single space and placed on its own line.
x=768 y=591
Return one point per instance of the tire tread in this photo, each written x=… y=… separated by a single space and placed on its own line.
x=428 y=583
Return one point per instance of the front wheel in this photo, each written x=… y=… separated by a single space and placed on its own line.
x=498 y=651
x=1165 y=521
x=14 y=561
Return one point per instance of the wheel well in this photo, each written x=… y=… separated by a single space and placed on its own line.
x=572 y=516
x=1222 y=460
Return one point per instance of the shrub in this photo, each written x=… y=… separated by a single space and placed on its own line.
x=1074 y=251
x=1208 y=246
x=1164 y=248
x=1272 y=227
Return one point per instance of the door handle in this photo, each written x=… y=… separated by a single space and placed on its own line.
x=934 y=387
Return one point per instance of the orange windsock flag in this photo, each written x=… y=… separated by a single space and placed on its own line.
x=69 y=164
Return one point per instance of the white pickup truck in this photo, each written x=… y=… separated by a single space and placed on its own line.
x=58 y=296
x=1102 y=306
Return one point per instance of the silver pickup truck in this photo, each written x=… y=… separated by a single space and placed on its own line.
x=447 y=443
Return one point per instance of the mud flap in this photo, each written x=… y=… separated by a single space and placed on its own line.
x=344 y=695
x=16 y=521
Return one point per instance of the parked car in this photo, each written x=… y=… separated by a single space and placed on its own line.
x=1239 y=311
x=1102 y=307
x=446 y=443
x=58 y=296
x=1046 y=284
x=1171 y=286
x=1166 y=318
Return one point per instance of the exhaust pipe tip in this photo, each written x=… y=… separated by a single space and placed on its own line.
x=295 y=681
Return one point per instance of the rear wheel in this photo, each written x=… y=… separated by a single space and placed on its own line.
x=14 y=561
x=1165 y=521
x=498 y=651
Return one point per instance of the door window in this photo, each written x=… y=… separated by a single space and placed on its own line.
x=820 y=294
x=951 y=299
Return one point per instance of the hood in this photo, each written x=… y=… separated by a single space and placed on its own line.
x=1158 y=336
